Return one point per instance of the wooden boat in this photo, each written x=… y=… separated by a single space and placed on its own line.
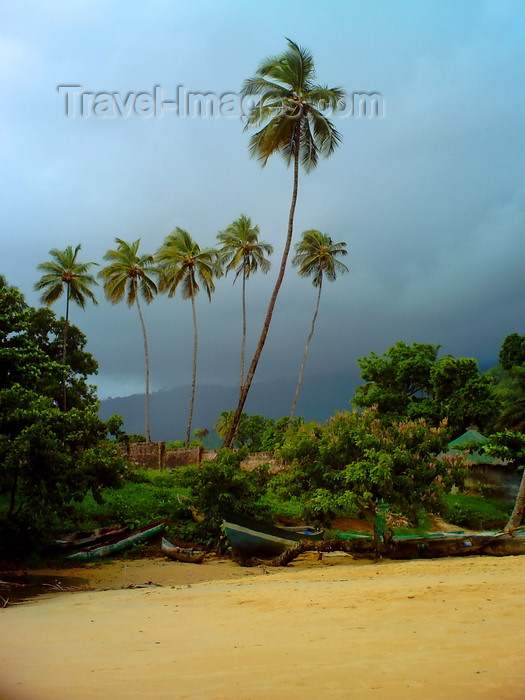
x=252 y=538
x=87 y=538
x=507 y=544
x=189 y=555
x=124 y=542
x=449 y=544
x=429 y=546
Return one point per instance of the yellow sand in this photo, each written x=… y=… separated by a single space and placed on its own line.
x=336 y=628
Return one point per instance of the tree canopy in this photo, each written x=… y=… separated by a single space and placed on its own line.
x=410 y=381
x=48 y=456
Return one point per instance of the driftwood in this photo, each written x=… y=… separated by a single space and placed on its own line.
x=357 y=548
x=411 y=548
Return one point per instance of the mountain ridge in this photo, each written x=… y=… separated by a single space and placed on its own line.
x=321 y=395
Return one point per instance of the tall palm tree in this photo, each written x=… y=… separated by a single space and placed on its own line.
x=316 y=257
x=289 y=110
x=129 y=274
x=65 y=272
x=184 y=264
x=240 y=250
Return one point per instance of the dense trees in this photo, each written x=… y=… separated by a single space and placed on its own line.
x=355 y=462
x=130 y=274
x=289 y=110
x=48 y=456
x=409 y=381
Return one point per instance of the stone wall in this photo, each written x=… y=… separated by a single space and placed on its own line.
x=498 y=481
x=182 y=457
x=154 y=455
x=150 y=455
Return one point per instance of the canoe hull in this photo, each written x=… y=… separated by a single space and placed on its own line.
x=141 y=535
x=189 y=555
x=507 y=545
x=448 y=545
x=252 y=538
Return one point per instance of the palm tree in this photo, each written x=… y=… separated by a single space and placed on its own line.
x=128 y=274
x=289 y=111
x=316 y=257
x=65 y=272
x=184 y=264
x=241 y=250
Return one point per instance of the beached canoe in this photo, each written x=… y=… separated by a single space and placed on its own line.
x=87 y=538
x=124 y=542
x=252 y=538
x=189 y=555
x=449 y=544
x=430 y=546
x=507 y=545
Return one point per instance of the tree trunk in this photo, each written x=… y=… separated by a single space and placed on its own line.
x=228 y=442
x=194 y=377
x=519 y=506
x=305 y=354
x=64 y=351
x=146 y=361
x=243 y=341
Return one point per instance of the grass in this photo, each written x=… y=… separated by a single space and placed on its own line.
x=476 y=512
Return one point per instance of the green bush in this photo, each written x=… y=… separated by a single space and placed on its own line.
x=475 y=512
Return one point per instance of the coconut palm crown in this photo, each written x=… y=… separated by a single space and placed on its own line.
x=129 y=275
x=292 y=107
x=64 y=272
x=241 y=251
x=183 y=265
x=316 y=257
x=289 y=114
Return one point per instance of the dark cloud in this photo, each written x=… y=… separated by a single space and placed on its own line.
x=428 y=198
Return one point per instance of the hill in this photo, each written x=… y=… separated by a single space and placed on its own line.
x=320 y=396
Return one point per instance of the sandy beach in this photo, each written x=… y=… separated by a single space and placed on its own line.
x=335 y=628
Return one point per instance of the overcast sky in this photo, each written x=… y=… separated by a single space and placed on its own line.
x=428 y=196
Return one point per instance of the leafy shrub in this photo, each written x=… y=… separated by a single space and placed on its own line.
x=221 y=487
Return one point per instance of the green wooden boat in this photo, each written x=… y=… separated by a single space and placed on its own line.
x=249 y=537
x=126 y=541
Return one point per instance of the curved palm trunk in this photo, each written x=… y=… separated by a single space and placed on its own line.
x=64 y=351
x=305 y=354
x=194 y=377
x=228 y=442
x=146 y=361
x=519 y=506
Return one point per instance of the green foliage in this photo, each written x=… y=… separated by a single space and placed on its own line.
x=221 y=487
x=512 y=351
x=48 y=457
x=354 y=462
x=145 y=495
x=409 y=382
x=476 y=513
x=257 y=433
x=507 y=445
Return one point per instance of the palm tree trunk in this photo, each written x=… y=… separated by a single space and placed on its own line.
x=228 y=442
x=146 y=362
x=305 y=354
x=194 y=377
x=64 y=351
x=519 y=506
x=243 y=342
